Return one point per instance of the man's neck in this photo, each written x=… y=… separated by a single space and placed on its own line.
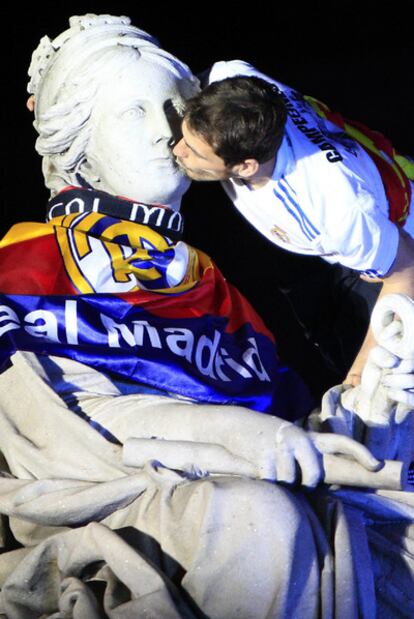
x=263 y=174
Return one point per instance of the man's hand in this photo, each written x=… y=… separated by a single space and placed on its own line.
x=399 y=279
x=297 y=448
x=353 y=377
x=400 y=383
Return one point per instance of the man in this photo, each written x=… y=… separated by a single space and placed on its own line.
x=306 y=183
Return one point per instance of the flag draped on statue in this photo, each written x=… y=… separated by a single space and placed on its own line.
x=129 y=298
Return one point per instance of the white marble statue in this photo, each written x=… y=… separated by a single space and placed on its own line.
x=181 y=515
x=107 y=102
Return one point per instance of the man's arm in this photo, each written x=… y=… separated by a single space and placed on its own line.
x=400 y=279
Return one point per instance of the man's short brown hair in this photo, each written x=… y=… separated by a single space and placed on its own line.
x=240 y=117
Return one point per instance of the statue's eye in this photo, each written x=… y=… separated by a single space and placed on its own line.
x=134 y=112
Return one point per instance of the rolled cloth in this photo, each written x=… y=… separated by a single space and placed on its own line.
x=200 y=459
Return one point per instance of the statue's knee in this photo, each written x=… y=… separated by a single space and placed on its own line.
x=242 y=527
x=252 y=505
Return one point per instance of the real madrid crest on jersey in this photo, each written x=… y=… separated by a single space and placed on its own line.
x=281 y=234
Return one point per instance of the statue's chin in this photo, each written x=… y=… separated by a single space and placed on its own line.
x=170 y=191
x=165 y=186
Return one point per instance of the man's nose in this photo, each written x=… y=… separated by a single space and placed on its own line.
x=178 y=149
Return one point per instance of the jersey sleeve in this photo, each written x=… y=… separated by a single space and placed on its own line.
x=359 y=233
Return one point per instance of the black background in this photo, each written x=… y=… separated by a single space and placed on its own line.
x=355 y=56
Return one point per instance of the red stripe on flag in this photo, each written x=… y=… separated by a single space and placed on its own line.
x=213 y=295
x=34 y=267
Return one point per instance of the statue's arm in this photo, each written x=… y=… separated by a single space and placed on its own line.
x=276 y=448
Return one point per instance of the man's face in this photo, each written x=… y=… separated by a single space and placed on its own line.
x=198 y=159
x=133 y=124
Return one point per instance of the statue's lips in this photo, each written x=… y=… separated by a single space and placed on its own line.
x=169 y=162
x=163 y=160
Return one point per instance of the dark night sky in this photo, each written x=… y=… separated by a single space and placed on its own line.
x=359 y=63
x=355 y=56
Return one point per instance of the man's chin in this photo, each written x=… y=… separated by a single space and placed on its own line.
x=199 y=176
x=194 y=176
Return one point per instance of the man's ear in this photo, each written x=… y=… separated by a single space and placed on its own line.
x=246 y=169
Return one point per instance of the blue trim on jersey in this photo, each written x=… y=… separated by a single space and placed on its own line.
x=294 y=215
x=372 y=273
x=305 y=219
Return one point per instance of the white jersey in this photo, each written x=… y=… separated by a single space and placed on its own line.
x=326 y=197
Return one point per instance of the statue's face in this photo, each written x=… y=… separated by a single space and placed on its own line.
x=133 y=123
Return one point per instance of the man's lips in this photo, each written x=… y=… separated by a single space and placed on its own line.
x=181 y=165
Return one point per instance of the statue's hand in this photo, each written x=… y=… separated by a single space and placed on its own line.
x=396 y=376
x=400 y=382
x=295 y=447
